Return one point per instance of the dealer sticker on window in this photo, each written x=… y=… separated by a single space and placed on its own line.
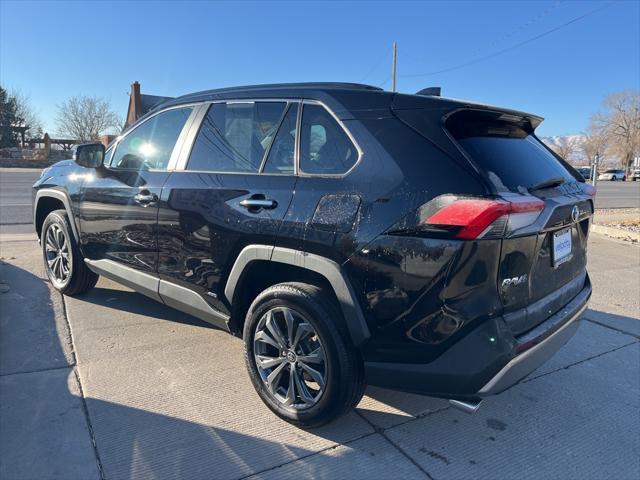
x=561 y=246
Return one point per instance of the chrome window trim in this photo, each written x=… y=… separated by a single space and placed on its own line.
x=176 y=148
x=204 y=108
x=296 y=164
x=344 y=129
x=200 y=112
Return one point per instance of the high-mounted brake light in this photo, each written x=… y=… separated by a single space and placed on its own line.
x=483 y=218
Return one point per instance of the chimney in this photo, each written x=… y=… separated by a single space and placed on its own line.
x=135 y=103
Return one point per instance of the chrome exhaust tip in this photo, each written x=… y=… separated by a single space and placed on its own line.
x=467 y=406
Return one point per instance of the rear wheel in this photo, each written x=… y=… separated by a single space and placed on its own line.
x=63 y=261
x=301 y=362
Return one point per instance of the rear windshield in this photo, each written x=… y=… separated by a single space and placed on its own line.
x=513 y=159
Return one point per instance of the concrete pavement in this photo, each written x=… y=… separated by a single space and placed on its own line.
x=114 y=385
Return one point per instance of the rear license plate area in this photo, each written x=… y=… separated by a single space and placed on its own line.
x=561 y=246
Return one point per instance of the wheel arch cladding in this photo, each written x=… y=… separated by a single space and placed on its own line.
x=48 y=200
x=330 y=270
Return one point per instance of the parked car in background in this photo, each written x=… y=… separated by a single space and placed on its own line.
x=612 y=175
x=348 y=235
x=585 y=172
x=635 y=174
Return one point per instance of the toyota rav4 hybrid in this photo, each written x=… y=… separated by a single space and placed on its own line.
x=348 y=235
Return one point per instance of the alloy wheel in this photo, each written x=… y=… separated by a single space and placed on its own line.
x=57 y=254
x=290 y=358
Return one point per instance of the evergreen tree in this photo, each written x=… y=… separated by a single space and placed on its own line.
x=7 y=119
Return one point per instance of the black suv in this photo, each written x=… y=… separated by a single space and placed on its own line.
x=349 y=235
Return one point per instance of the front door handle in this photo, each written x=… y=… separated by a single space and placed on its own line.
x=255 y=204
x=145 y=198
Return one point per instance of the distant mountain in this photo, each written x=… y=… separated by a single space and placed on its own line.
x=559 y=140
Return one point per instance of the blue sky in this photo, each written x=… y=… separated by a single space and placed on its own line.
x=52 y=50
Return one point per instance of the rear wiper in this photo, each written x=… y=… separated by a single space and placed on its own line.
x=551 y=182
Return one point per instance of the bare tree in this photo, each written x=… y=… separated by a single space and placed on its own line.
x=26 y=114
x=85 y=118
x=594 y=140
x=564 y=147
x=621 y=122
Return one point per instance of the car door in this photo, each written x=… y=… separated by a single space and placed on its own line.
x=118 y=203
x=233 y=189
x=322 y=216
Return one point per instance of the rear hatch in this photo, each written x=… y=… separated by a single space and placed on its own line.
x=545 y=227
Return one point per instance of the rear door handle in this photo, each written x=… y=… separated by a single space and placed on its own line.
x=258 y=203
x=145 y=198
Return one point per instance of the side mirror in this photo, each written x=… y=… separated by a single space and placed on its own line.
x=89 y=155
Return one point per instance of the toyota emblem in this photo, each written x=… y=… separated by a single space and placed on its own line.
x=575 y=213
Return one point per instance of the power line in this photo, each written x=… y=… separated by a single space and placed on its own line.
x=386 y=80
x=504 y=37
x=519 y=29
x=376 y=65
x=513 y=47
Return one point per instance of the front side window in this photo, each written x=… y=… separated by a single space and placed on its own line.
x=235 y=137
x=325 y=148
x=149 y=146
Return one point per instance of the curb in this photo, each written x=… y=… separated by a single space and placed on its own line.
x=616 y=232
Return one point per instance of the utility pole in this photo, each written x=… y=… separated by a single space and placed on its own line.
x=393 y=68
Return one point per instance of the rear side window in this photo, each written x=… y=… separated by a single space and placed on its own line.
x=513 y=159
x=235 y=137
x=149 y=145
x=325 y=148
x=281 y=156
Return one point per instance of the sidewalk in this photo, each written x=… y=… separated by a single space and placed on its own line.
x=43 y=423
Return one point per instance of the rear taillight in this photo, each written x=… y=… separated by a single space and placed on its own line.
x=470 y=218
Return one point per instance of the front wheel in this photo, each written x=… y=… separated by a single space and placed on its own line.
x=63 y=261
x=300 y=360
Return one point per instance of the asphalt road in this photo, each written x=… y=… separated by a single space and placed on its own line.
x=618 y=195
x=112 y=385
x=15 y=195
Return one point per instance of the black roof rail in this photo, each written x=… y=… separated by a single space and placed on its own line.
x=430 y=91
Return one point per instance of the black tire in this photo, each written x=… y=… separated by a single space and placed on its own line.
x=614 y=178
x=344 y=383
x=79 y=278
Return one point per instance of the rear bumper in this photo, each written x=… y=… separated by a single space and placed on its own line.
x=488 y=360
x=541 y=349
